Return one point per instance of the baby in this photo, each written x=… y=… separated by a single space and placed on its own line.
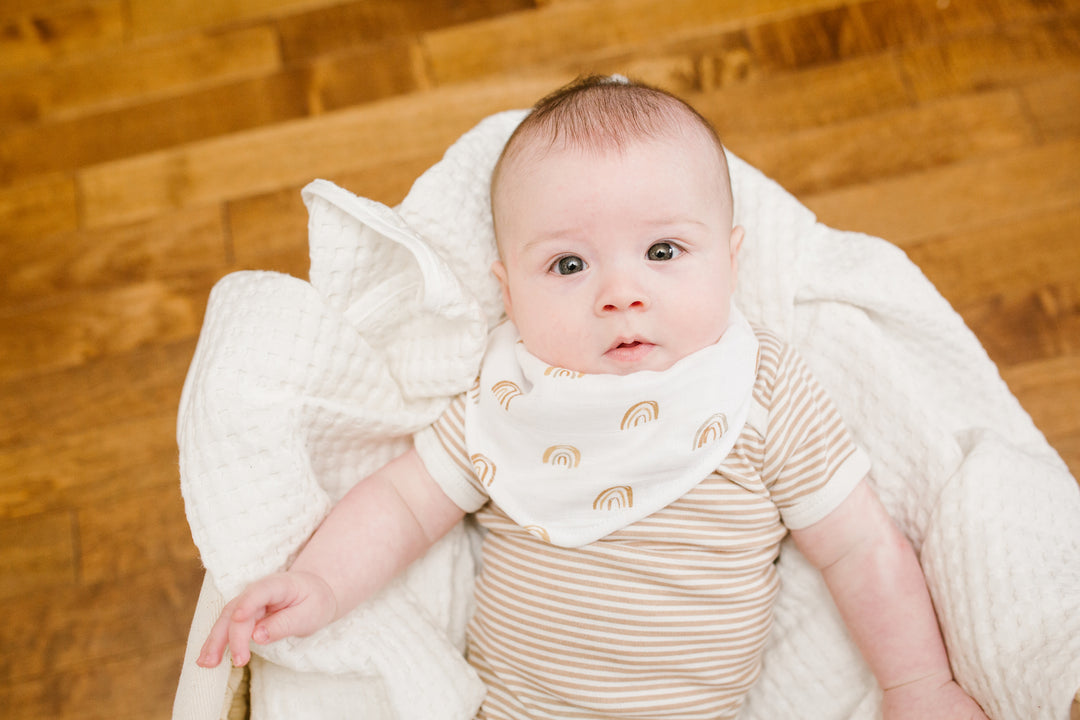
x=635 y=449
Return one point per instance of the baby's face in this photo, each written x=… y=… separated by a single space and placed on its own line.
x=617 y=261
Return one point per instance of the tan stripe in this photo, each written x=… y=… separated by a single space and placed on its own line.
x=553 y=660
x=541 y=580
x=614 y=614
x=582 y=600
x=452 y=449
x=637 y=692
x=595 y=569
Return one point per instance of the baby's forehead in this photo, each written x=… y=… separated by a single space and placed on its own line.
x=594 y=129
x=530 y=149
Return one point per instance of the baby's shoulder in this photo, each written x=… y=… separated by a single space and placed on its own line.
x=773 y=350
x=766 y=337
x=779 y=365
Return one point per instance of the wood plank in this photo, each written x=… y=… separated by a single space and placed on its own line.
x=269 y=231
x=102 y=393
x=146 y=71
x=86 y=466
x=1049 y=389
x=48 y=34
x=330 y=29
x=79 y=626
x=1005 y=56
x=550 y=34
x=1024 y=255
x=37 y=553
x=292 y=153
x=780 y=104
x=770 y=44
x=70 y=330
x=41 y=206
x=865 y=28
x=729 y=84
x=683 y=66
x=1068 y=448
x=773 y=44
x=909 y=209
x=724 y=60
x=890 y=143
x=1054 y=104
x=373 y=72
x=898 y=23
x=139 y=686
x=15 y=8
x=171 y=245
x=131 y=533
x=73 y=143
x=151 y=18
x=1019 y=327
x=1014 y=11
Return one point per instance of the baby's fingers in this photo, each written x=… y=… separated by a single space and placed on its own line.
x=240 y=630
x=220 y=636
x=291 y=621
x=237 y=621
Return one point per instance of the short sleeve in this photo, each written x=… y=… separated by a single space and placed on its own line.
x=441 y=447
x=811 y=461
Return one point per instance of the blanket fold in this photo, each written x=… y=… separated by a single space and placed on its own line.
x=297 y=390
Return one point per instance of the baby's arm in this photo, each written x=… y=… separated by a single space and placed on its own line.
x=875 y=579
x=384 y=523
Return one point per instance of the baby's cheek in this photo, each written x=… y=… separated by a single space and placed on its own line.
x=566 y=348
x=703 y=319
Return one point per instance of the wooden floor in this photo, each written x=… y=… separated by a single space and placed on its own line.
x=149 y=147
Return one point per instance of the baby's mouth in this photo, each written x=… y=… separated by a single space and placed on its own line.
x=625 y=342
x=629 y=350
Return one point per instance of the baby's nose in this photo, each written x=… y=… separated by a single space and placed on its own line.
x=624 y=305
x=622 y=293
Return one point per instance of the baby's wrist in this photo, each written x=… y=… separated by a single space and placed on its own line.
x=319 y=587
x=920 y=682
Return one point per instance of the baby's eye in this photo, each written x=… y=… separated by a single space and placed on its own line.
x=664 y=251
x=568 y=265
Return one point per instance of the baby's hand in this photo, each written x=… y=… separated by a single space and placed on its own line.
x=932 y=698
x=278 y=606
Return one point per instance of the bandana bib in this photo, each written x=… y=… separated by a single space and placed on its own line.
x=572 y=457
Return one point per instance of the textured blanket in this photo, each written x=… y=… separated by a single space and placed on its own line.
x=298 y=389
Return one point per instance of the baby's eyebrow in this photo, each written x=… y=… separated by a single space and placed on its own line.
x=668 y=222
x=547 y=238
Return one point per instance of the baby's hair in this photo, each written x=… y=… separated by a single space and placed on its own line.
x=605 y=113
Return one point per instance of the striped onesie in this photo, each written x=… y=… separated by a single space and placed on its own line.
x=667 y=617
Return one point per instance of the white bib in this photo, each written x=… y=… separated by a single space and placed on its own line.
x=572 y=457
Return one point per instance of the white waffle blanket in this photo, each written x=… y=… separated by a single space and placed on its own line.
x=298 y=389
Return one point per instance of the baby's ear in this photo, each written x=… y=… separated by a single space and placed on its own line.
x=735 y=241
x=499 y=271
x=735 y=245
